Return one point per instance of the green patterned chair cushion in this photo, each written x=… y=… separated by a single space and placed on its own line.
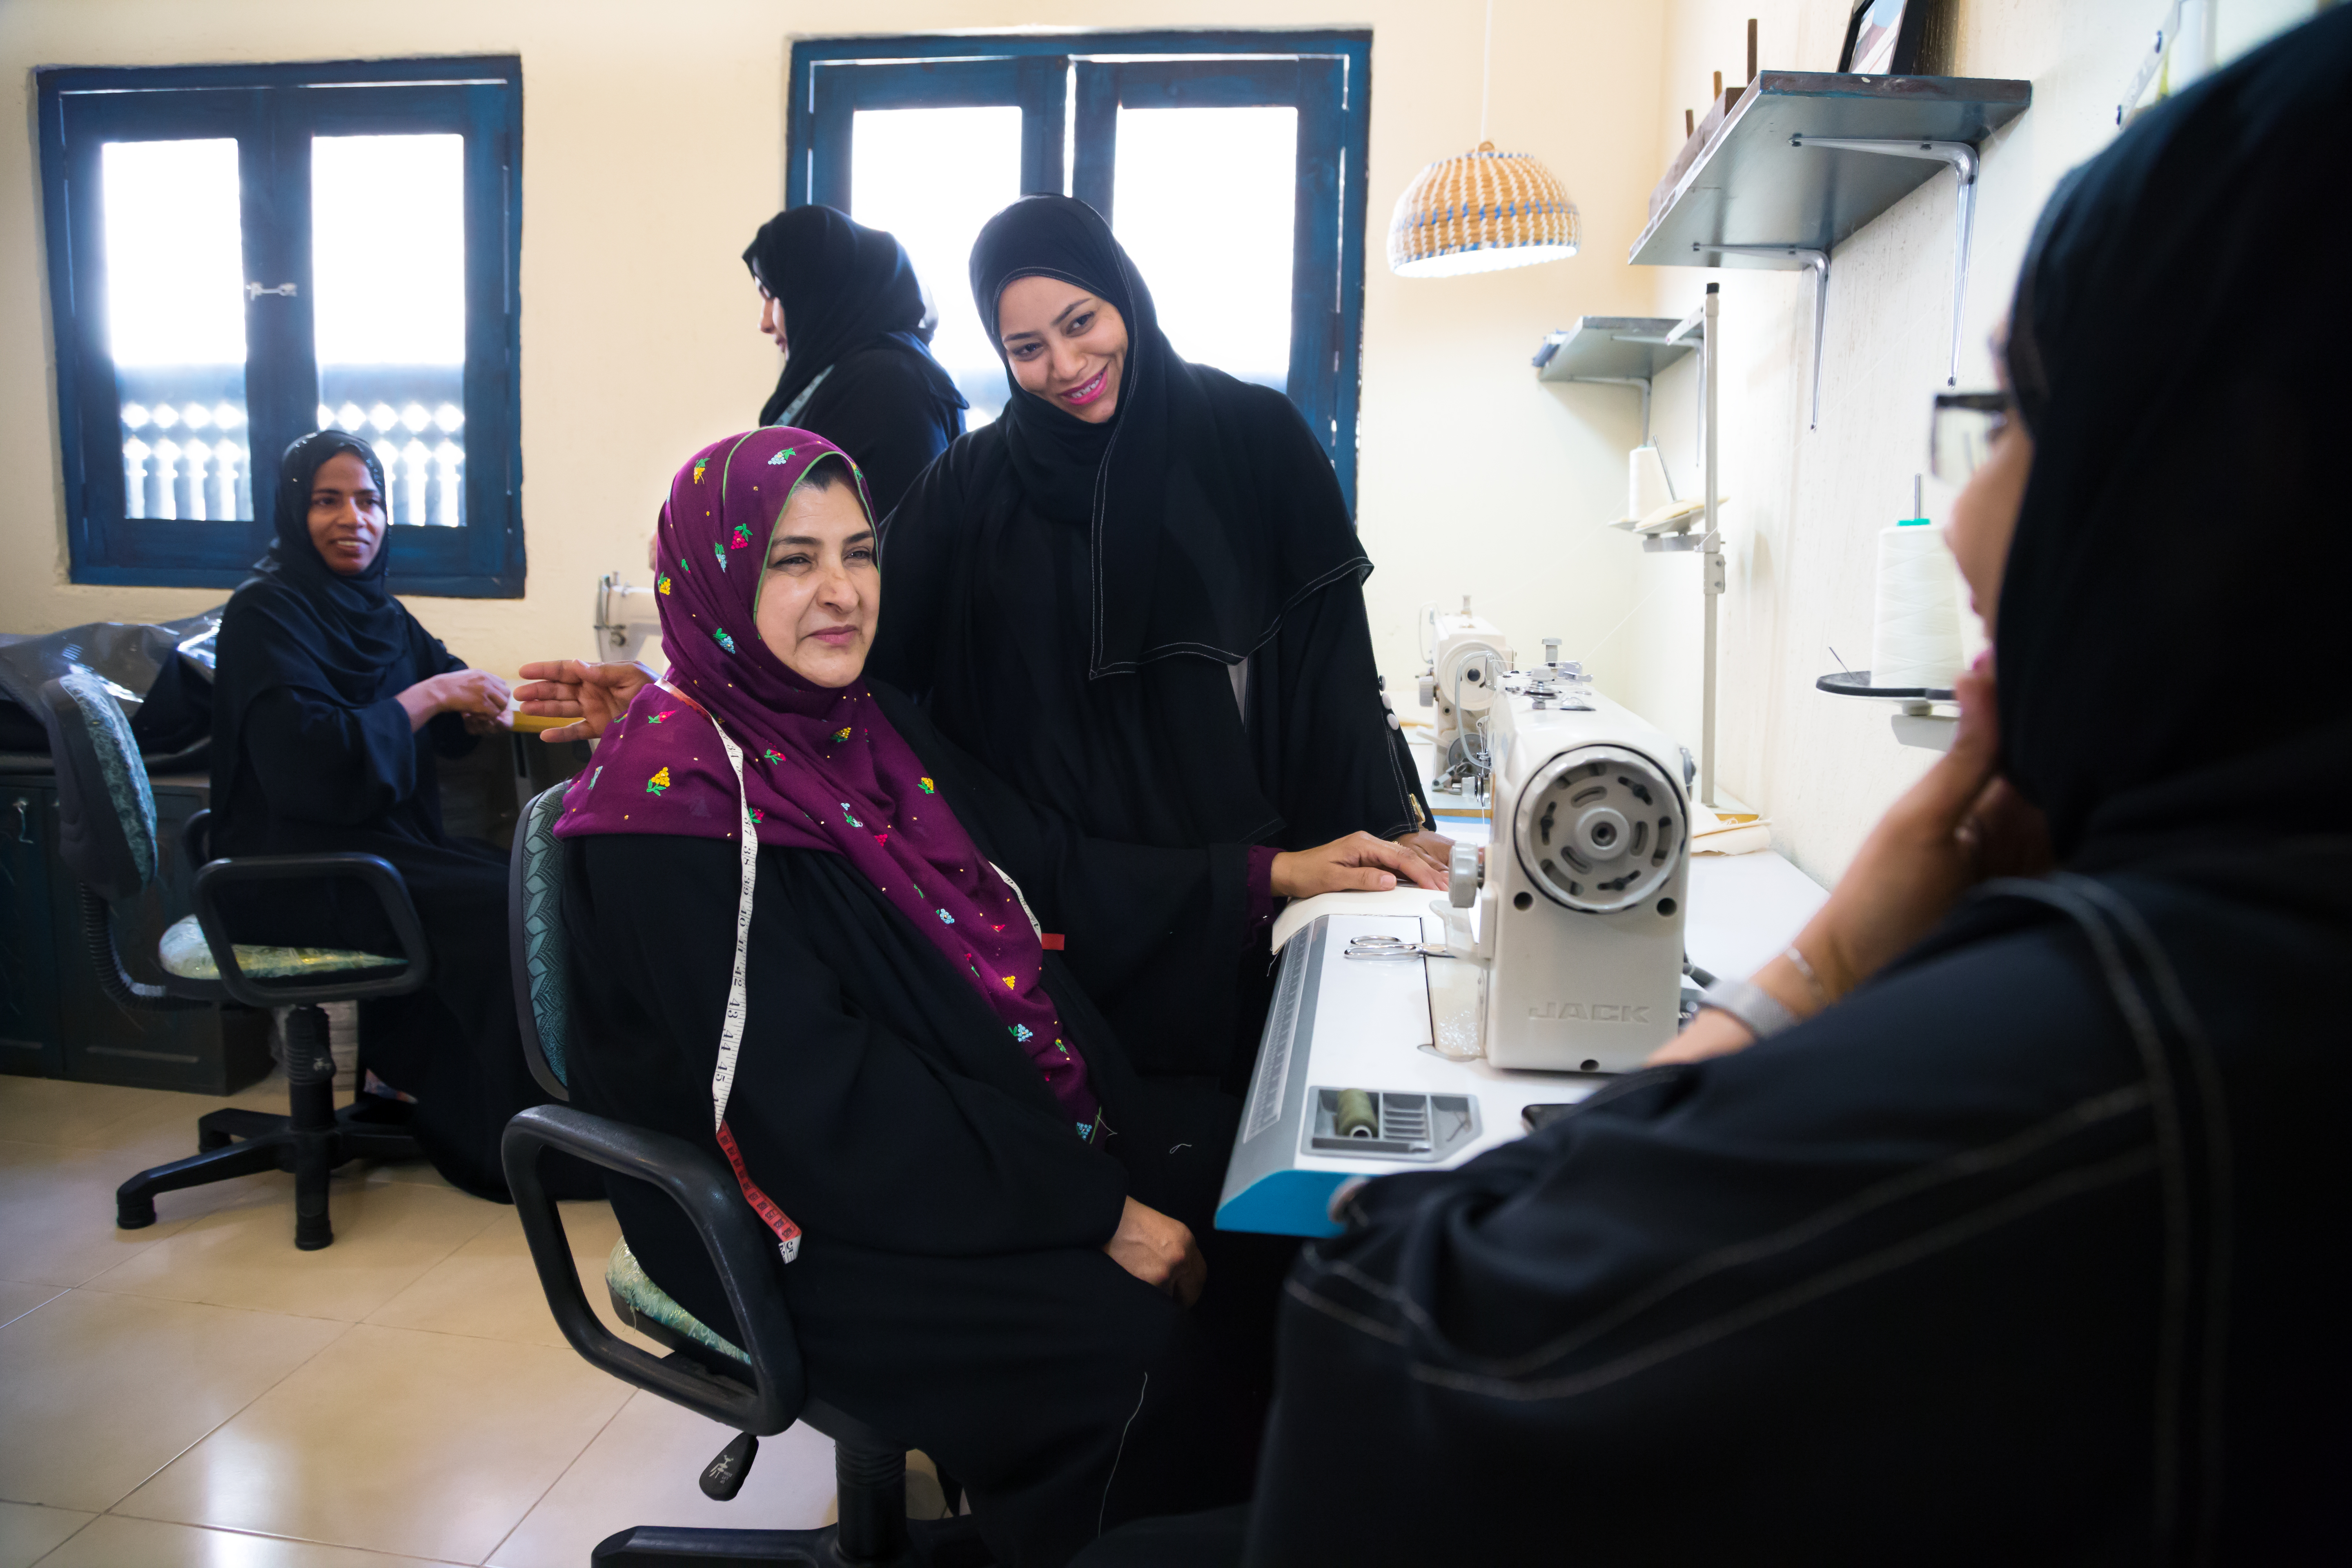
x=184 y=952
x=636 y=1296
x=546 y=948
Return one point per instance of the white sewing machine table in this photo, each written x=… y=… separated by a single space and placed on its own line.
x=1341 y=1026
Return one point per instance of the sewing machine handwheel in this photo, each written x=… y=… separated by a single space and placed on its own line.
x=1462 y=876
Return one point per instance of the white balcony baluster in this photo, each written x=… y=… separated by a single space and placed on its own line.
x=166 y=504
x=449 y=456
x=199 y=454
x=135 y=454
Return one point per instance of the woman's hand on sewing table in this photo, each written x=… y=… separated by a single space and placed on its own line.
x=1433 y=848
x=1961 y=824
x=591 y=695
x=1159 y=1252
x=1359 y=863
x=480 y=696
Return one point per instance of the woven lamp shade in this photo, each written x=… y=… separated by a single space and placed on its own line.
x=1479 y=213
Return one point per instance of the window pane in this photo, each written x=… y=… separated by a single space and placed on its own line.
x=388 y=263
x=932 y=177
x=176 y=315
x=1203 y=200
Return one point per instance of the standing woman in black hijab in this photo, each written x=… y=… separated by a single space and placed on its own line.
x=330 y=706
x=843 y=305
x=2027 y=1245
x=1136 y=597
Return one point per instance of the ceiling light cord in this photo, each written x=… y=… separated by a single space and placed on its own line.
x=1486 y=74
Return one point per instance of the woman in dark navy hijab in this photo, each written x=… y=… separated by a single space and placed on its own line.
x=842 y=302
x=332 y=708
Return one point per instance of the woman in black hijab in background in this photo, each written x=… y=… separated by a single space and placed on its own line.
x=843 y=305
x=2033 y=1248
x=1151 y=623
x=330 y=706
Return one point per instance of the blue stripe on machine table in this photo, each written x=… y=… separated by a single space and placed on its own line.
x=1283 y=1203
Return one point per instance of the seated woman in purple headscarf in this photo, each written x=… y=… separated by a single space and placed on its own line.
x=795 y=944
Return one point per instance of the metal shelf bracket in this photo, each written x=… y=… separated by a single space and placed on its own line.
x=1962 y=159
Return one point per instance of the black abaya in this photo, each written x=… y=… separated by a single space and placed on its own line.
x=2028 y=1250
x=313 y=753
x=860 y=373
x=950 y=1286
x=1154 y=625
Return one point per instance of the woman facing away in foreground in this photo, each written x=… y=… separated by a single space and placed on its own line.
x=330 y=706
x=994 y=1222
x=2027 y=1242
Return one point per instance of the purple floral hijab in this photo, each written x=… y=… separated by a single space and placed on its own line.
x=821 y=768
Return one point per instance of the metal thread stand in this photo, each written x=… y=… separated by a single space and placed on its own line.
x=1710 y=547
x=1709 y=541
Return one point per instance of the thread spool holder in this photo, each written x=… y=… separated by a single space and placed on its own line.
x=1925 y=716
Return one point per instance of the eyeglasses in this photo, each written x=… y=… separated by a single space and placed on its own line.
x=1960 y=433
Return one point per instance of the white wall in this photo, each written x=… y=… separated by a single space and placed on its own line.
x=1806 y=504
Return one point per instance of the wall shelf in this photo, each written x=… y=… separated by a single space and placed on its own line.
x=1616 y=350
x=1750 y=186
x=1613 y=349
x=1808 y=158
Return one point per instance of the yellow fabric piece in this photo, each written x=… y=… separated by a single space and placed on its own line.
x=184 y=953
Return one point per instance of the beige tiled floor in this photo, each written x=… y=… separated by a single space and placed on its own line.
x=200 y=1394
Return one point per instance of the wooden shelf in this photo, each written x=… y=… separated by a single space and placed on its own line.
x=1753 y=186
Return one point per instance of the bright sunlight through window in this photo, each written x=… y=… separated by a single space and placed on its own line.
x=175 y=257
x=388 y=248
x=932 y=177
x=1203 y=200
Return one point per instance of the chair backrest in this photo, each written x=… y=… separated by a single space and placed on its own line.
x=538 y=946
x=106 y=812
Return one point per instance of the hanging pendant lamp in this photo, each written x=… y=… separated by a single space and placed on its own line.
x=1482 y=211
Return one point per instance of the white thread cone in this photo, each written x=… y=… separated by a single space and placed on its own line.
x=1916 y=639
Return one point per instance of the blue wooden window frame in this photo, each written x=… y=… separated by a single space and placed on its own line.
x=1326 y=75
x=272 y=111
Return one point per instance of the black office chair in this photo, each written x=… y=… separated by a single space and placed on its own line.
x=757 y=1388
x=107 y=837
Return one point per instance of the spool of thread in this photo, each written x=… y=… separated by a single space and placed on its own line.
x=1915 y=635
x=1645 y=482
x=1356 y=1117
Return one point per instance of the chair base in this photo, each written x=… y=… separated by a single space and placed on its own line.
x=943 y=1544
x=311 y=1140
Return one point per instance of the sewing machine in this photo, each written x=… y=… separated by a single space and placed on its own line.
x=1411 y=1033
x=627 y=618
x=1467 y=653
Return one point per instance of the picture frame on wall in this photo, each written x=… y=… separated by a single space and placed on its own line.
x=1882 y=37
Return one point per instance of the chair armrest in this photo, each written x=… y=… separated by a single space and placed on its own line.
x=195 y=839
x=740 y=1251
x=391 y=892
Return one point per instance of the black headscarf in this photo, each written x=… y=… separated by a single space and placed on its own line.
x=842 y=286
x=347 y=628
x=1159 y=476
x=298 y=623
x=2167 y=627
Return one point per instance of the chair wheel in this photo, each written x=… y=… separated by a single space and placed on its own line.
x=133 y=1214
